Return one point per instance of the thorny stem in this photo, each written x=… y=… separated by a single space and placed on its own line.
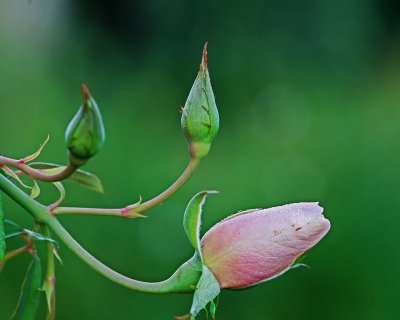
x=132 y=211
x=50 y=279
x=37 y=174
x=183 y=280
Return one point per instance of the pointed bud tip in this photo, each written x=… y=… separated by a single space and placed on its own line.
x=85 y=92
x=203 y=65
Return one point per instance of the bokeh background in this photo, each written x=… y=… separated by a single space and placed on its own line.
x=308 y=94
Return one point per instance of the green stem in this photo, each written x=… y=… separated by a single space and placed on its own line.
x=132 y=211
x=182 y=281
x=49 y=283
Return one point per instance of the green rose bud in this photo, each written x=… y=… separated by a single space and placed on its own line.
x=85 y=133
x=200 y=119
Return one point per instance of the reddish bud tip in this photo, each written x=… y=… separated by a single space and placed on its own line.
x=85 y=92
x=203 y=65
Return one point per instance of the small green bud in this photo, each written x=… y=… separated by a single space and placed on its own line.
x=85 y=133
x=200 y=119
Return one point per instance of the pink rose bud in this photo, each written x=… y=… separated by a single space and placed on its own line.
x=257 y=245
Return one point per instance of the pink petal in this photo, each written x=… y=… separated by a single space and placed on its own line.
x=253 y=247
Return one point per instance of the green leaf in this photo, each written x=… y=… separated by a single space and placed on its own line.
x=207 y=290
x=84 y=178
x=2 y=233
x=13 y=175
x=13 y=230
x=35 y=190
x=61 y=189
x=30 y=295
x=192 y=218
x=34 y=155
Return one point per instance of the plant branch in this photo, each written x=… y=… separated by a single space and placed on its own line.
x=50 y=279
x=182 y=281
x=134 y=210
x=12 y=254
x=37 y=174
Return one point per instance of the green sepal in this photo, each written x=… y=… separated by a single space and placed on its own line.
x=192 y=219
x=28 y=303
x=83 y=178
x=185 y=278
x=207 y=290
x=2 y=233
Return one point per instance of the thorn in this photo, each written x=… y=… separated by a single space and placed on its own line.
x=180 y=109
x=203 y=65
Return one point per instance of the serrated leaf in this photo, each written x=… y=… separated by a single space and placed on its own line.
x=207 y=290
x=192 y=219
x=34 y=155
x=84 y=178
x=2 y=232
x=35 y=190
x=28 y=303
x=13 y=175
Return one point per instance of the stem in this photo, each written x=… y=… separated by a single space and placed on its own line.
x=12 y=254
x=50 y=279
x=132 y=211
x=183 y=280
x=37 y=174
x=172 y=189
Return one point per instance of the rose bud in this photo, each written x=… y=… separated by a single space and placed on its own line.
x=257 y=245
x=200 y=119
x=85 y=133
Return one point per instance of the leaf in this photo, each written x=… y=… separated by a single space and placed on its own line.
x=61 y=189
x=34 y=155
x=13 y=230
x=12 y=174
x=84 y=178
x=206 y=291
x=2 y=233
x=192 y=218
x=30 y=295
x=35 y=190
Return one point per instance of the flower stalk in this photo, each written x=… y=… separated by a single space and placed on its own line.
x=134 y=211
x=182 y=281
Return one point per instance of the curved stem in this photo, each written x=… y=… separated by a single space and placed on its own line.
x=132 y=211
x=37 y=174
x=182 y=281
x=176 y=283
x=172 y=189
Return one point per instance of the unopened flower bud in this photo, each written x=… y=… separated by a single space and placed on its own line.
x=200 y=119
x=85 y=133
x=252 y=247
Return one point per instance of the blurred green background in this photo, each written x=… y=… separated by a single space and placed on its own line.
x=308 y=94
